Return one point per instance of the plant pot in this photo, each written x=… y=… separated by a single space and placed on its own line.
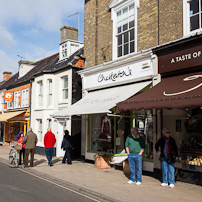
x=102 y=162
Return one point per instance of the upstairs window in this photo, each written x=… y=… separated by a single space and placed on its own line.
x=40 y=130
x=40 y=87
x=50 y=86
x=17 y=99
x=65 y=88
x=126 y=31
x=195 y=14
x=124 y=17
x=25 y=98
x=64 y=50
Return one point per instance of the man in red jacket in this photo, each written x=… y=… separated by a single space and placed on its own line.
x=49 y=141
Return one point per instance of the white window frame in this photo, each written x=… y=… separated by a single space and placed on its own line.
x=114 y=12
x=50 y=92
x=40 y=90
x=25 y=98
x=40 y=130
x=64 y=50
x=186 y=19
x=10 y=104
x=17 y=100
x=64 y=88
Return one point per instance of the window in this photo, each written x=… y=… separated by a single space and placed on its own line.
x=50 y=85
x=192 y=16
x=40 y=130
x=10 y=105
x=65 y=88
x=2 y=102
x=64 y=50
x=40 y=93
x=124 y=18
x=25 y=98
x=17 y=99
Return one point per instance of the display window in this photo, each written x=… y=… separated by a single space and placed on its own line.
x=186 y=129
x=108 y=133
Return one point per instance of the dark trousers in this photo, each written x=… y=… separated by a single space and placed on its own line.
x=22 y=152
x=27 y=152
x=67 y=156
x=49 y=153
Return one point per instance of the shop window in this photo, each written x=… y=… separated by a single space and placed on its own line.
x=186 y=128
x=25 y=98
x=40 y=87
x=124 y=18
x=17 y=99
x=192 y=16
x=40 y=138
x=65 y=88
x=50 y=93
x=13 y=130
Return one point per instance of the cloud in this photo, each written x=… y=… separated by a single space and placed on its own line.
x=7 y=64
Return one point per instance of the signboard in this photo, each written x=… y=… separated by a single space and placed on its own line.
x=181 y=57
x=8 y=96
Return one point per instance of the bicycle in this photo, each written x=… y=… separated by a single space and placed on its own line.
x=14 y=153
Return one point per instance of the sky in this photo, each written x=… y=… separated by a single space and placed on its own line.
x=30 y=30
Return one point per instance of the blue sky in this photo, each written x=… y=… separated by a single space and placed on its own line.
x=31 y=29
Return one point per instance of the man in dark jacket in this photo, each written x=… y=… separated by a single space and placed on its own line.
x=30 y=140
x=168 y=155
x=49 y=141
x=67 y=146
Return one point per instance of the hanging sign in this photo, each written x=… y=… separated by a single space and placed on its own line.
x=8 y=96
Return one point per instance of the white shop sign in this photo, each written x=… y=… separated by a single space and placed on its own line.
x=119 y=74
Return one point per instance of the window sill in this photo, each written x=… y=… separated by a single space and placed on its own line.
x=63 y=102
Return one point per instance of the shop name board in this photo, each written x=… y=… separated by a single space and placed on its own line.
x=186 y=57
x=114 y=76
x=181 y=57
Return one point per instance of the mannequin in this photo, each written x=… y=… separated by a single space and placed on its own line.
x=106 y=126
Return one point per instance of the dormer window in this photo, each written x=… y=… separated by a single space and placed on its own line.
x=64 y=50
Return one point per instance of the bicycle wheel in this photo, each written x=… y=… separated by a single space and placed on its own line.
x=16 y=158
x=10 y=160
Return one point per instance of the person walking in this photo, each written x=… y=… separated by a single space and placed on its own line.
x=168 y=155
x=49 y=141
x=135 y=146
x=67 y=146
x=22 y=151
x=30 y=140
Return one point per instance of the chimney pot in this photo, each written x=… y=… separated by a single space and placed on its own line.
x=7 y=75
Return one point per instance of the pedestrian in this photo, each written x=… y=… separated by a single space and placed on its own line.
x=22 y=151
x=30 y=139
x=135 y=146
x=49 y=141
x=168 y=155
x=67 y=146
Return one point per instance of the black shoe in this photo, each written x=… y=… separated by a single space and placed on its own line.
x=69 y=163
x=51 y=164
x=63 y=161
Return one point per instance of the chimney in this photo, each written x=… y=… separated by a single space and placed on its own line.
x=68 y=33
x=7 y=75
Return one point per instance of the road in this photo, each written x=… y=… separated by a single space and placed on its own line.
x=18 y=185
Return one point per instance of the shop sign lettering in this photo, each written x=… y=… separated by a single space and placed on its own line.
x=114 y=76
x=186 y=57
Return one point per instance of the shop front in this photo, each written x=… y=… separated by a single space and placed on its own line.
x=14 y=122
x=103 y=131
x=177 y=101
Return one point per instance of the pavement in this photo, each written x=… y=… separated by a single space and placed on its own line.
x=107 y=184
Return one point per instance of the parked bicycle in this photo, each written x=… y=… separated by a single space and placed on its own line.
x=14 y=153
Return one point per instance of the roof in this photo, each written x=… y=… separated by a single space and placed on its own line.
x=47 y=65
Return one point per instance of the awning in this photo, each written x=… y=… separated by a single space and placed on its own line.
x=101 y=101
x=8 y=115
x=174 y=92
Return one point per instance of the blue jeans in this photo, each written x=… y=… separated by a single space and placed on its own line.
x=49 y=153
x=135 y=159
x=168 y=171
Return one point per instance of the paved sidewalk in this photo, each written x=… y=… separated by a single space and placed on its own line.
x=112 y=183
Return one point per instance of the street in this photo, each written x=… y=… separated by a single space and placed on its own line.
x=17 y=185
